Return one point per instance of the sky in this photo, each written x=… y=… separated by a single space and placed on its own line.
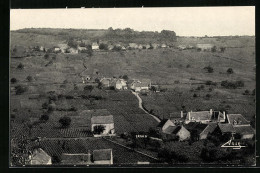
x=185 y=21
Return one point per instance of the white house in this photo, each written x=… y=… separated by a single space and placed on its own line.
x=138 y=85
x=121 y=84
x=95 y=46
x=106 y=121
x=39 y=157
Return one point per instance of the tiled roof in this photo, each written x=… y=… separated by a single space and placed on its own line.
x=238 y=118
x=201 y=115
x=244 y=130
x=102 y=119
x=226 y=128
x=210 y=128
x=103 y=154
x=196 y=126
x=72 y=159
x=170 y=129
x=41 y=156
x=161 y=124
x=176 y=129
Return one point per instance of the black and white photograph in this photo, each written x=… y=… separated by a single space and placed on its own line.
x=134 y=87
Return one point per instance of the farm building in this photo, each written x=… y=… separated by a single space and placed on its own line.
x=201 y=130
x=95 y=46
x=182 y=47
x=176 y=131
x=39 y=157
x=81 y=48
x=73 y=51
x=138 y=85
x=63 y=47
x=56 y=50
x=204 y=47
x=110 y=47
x=121 y=84
x=106 y=82
x=163 y=46
x=205 y=116
x=241 y=126
x=164 y=125
x=177 y=118
x=103 y=156
x=106 y=121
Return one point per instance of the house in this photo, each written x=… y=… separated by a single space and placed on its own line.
x=205 y=116
x=177 y=118
x=241 y=126
x=148 y=46
x=80 y=49
x=42 y=49
x=155 y=45
x=164 y=125
x=106 y=121
x=73 y=51
x=177 y=131
x=205 y=47
x=182 y=47
x=133 y=46
x=63 y=47
x=110 y=47
x=200 y=131
x=103 y=156
x=56 y=50
x=138 y=85
x=39 y=157
x=163 y=46
x=121 y=84
x=95 y=46
x=140 y=46
x=106 y=82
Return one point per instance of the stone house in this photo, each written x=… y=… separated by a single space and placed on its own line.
x=177 y=131
x=121 y=84
x=106 y=121
x=95 y=46
x=205 y=116
x=200 y=131
x=138 y=85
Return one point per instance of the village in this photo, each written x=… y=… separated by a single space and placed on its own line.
x=93 y=118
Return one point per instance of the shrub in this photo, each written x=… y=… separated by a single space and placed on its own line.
x=246 y=92
x=88 y=88
x=209 y=69
x=125 y=77
x=210 y=83
x=230 y=71
x=46 y=56
x=188 y=66
x=44 y=117
x=232 y=85
x=195 y=95
x=72 y=43
x=20 y=89
x=103 y=46
x=13 y=80
x=65 y=121
x=20 y=66
x=176 y=82
x=45 y=105
x=198 y=49
x=112 y=88
x=214 y=49
x=29 y=78
x=222 y=49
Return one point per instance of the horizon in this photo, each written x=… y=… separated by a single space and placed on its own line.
x=184 y=21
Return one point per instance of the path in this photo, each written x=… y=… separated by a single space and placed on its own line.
x=141 y=106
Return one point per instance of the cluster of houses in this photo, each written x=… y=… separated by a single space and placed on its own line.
x=203 y=123
x=202 y=47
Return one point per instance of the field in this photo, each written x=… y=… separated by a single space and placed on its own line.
x=180 y=74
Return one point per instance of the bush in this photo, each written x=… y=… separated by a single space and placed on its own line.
x=195 y=95
x=88 y=88
x=65 y=122
x=210 y=83
x=44 y=117
x=188 y=66
x=230 y=71
x=247 y=92
x=222 y=49
x=20 y=66
x=20 y=89
x=13 y=80
x=232 y=85
x=103 y=46
x=209 y=69
x=125 y=77
x=112 y=88
x=29 y=78
x=46 y=56
x=214 y=49
x=72 y=43
x=45 y=105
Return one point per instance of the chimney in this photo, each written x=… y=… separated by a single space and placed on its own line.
x=224 y=115
x=210 y=111
x=189 y=115
x=181 y=114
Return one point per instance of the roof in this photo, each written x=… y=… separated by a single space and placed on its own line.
x=176 y=129
x=103 y=154
x=161 y=124
x=210 y=128
x=201 y=115
x=40 y=155
x=226 y=128
x=105 y=80
x=244 y=130
x=102 y=119
x=196 y=126
x=238 y=118
x=170 y=129
x=142 y=83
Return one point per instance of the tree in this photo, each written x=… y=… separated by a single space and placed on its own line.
x=209 y=69
x=125 y=77
x=20 y=66
x=44 y=117
x=29 y=78
x=20 y=89
x=230 y=71
x=13 y=80
x=72 y=43
x=99 y=129
x=88 y=88
x=214 y=49
x=65 y=121
x=103 y=46
x=222 y=49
